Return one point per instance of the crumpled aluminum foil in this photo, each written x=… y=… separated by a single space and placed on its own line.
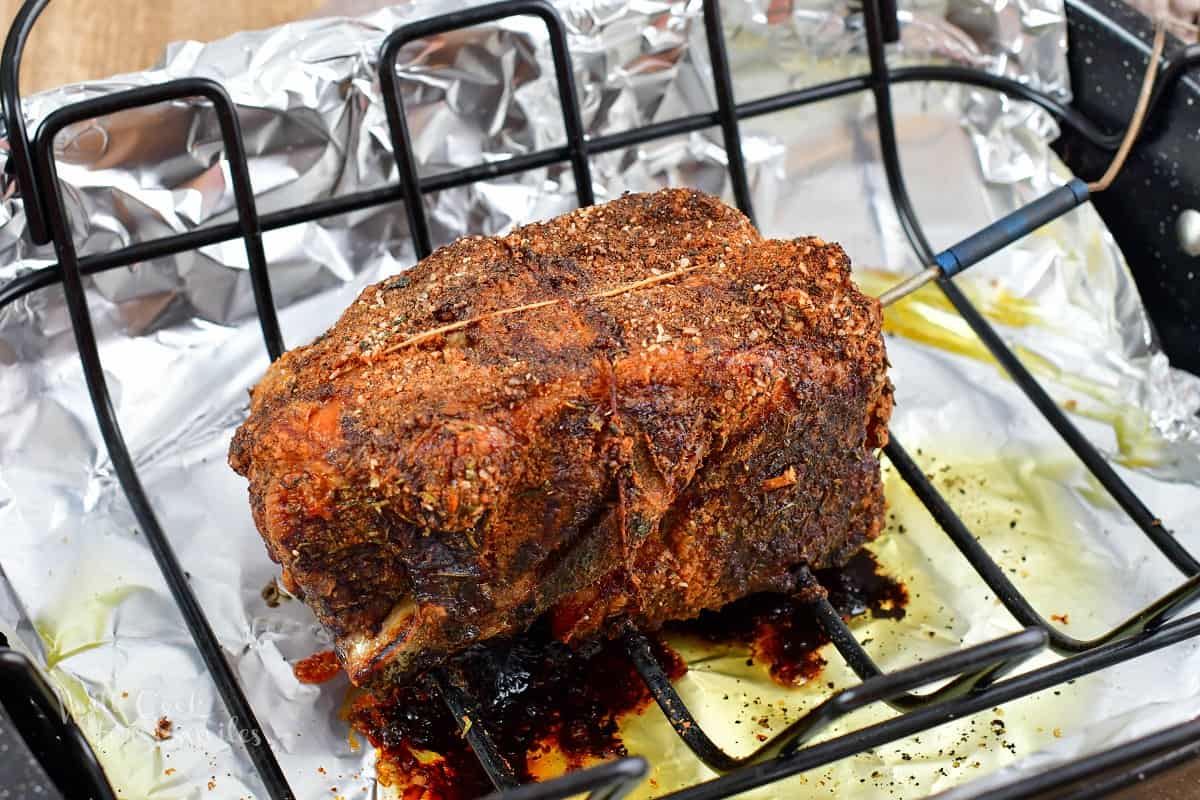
x=180 y=345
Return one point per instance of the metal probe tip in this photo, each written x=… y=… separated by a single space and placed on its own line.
x=906 y=287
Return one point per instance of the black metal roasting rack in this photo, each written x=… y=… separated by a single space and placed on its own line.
x=971 y=679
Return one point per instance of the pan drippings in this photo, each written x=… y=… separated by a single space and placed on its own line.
x=547 y=706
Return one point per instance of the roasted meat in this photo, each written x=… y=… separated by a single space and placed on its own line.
x=695 y=416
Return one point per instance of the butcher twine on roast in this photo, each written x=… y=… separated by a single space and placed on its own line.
x=698 y=414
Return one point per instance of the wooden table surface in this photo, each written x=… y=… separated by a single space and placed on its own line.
x=80 y=39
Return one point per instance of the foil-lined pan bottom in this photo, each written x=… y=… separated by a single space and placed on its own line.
x=180 y=346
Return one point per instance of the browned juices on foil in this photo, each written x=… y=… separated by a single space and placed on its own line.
x=317 y=668
x=783 y=635
x=538 y=696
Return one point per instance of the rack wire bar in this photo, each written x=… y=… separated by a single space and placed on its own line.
x=19 y=142
x=948 y=263
x=1180 y=742
x=726 y=108
x=964 y=682
x=248 y=227
x=1117 y=488
x=467 y=716
x=998 y=582
x=240 y=711
x=866 y=669
x=997 y=655
x=977 y=678
x=1133 y=773
x=402 y=150
x=881 y=733
x=91 y=264
x=1151 y=525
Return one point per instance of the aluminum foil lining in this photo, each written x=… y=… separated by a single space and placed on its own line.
x=181 y=346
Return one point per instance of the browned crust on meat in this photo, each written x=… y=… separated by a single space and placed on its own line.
x=640 y=457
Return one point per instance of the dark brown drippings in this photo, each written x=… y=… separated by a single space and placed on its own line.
x=317 y=668
x=539 y=697
x=782 y=633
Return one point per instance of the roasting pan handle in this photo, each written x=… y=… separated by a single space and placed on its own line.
x=48 y=730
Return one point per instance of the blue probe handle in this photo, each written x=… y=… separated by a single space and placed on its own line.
x=1005 y=231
